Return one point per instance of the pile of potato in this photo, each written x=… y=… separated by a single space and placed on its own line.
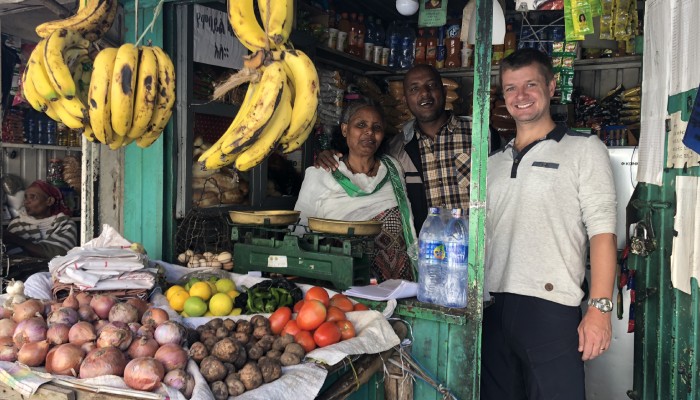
x=207 y=259
x=235 y=356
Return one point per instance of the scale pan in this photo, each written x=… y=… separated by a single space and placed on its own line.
x=271 y=217
x=350 y=228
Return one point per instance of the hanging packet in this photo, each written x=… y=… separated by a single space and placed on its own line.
x=582 y=17
x=571 y=35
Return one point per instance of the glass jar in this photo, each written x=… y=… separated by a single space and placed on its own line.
x=54 y=174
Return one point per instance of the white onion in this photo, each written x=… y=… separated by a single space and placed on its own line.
x=144 y=373
x=115 y=334
x=169 y=332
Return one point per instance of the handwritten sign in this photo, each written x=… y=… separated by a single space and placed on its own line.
x=214 y=41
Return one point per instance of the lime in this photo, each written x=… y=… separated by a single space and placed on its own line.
x=220 y=304
x=201 y=290
x=225 y=285
x=195 y=306
x=193 y=280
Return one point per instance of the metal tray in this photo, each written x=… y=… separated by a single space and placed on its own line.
x=270 y=217
x=336 y=227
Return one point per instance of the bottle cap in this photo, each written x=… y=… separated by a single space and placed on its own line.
x=434 y=210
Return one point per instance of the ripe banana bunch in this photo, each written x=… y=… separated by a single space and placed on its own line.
x=93 y=19
x=57 y=76
x=131 y=95
x=277 y=17
x=279 y=110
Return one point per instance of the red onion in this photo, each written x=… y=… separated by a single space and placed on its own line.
x=71 y=301
x=7 y=327
x=88 y=346
x=83 y=298
x=172 y=356
x=8 y=350
x=144 y=373
x=26 y=310
x=143 y=347
x=63 y=315
x=33 y=354
x=169 y=332
x=65 y=360
x=58 y=333
x=123 y=312
x=140 y=305
x=189 y=389
x=146 y=330
x=134 y=326
x=100 y=324
x=86 y=313
x=102 y=304
x=48 y=304
x=176 y=378
x=29 y=331
x=154 y=316
x=81 y=333
x=100 y=362
x=115 y=335
x=5 y=312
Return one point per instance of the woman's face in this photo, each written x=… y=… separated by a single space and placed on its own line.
x=364 y=132
x=37 y=203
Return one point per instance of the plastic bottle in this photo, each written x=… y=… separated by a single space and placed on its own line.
x=408 y=41
x=51 y=132
x=360 y=36
x=509 y=41
x=441 y=50
x=352 y=35
x=393 y=42
x=344 y=27
x=420 y=47
x=370 y=30
x=431 y=48
x=29 y=132
x=379 y=34
x=40 y=132
x=455 y=262
x=430 y=258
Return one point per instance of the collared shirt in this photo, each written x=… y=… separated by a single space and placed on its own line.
x=446 y=163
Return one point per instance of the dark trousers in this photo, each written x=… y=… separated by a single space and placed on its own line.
x=529 y=350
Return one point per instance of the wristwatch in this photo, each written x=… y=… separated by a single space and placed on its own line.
x=603 y=304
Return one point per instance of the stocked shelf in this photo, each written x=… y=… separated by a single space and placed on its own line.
x=39 y=147
x=590 y=64
x=215 y=108
x=339 y=59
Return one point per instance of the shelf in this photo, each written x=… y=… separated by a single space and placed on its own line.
x=39 y=147
x=215 y=108
x=591 y=64
x=339 y=59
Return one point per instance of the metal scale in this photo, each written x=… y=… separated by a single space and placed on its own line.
x=339 y=252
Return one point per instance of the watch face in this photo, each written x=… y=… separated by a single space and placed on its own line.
x=604 y=305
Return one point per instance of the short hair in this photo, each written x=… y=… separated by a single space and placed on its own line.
x=340 y=143
x=525 y=57
x=433 y=71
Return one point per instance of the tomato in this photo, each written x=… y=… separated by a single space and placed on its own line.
x=298 y=305
x=290 y=328
x=279 y=319
x=327 y=334
x=347 y=329
x=335 y=314
x=305 y=340
x=341 y=301
x=311 y=315
x=317 y=293
x=360 y=307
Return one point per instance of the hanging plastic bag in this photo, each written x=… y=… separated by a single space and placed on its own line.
x=582 y=17
x=571 y=35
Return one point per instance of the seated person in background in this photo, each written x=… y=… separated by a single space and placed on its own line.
x=43 y=229
x=367 y=185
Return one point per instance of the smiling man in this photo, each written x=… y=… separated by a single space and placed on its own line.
x=550 y=195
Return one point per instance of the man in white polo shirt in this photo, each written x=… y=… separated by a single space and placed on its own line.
x=550 y=196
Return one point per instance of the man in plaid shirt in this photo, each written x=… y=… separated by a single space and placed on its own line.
x=434 y=149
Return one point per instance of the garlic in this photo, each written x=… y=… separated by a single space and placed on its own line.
x=208 y=255
x=182 y=257
x=215 y=264
x=15 y=288
x=189 y=253
x=18 y=298
x=223 y=257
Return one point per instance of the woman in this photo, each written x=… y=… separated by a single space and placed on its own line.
x=43 y=229
x=368 y=185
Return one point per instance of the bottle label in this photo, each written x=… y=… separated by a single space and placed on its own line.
x=456 y=253
x=432 y=251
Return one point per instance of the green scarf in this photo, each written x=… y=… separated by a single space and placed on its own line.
x=392 y=175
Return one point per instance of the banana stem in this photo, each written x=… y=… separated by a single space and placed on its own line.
x=235 y=80
x=266 y=25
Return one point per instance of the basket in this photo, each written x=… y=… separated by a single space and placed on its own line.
x=62 y=290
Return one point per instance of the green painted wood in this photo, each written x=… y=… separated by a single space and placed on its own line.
x=145 y=169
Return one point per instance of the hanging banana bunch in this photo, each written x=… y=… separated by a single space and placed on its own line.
x=279 y=108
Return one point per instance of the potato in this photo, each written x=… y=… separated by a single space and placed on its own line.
x=206 y=334
x=242 y=337
x=198 y=351
x=210 y=342
x=244 y=326
x=212 y=369
x=270 y=369
x=296 y=349
x=229 y=367
x=265 y=342
x=226 y=350
x=288 y=359
x=222 y=332
x=220 y=390
x=234 y=384
x=281 y=342
x=242 y=357
x=251 y=376
x=215 y=323
x=255 y=352
x=230 y=325
x=261 y=331
x=259 y=320
x=276 y=354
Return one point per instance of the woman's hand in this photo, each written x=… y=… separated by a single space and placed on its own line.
x=326 y=160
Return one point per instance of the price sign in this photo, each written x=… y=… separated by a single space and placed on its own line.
x=214 y=41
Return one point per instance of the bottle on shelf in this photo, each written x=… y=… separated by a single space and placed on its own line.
x=370 y=31
x=379 y=34
x=393 y=42
x=343 y=31
x=441 y=50
x=51 y=132
x=420 y=47
x=39 y=131
x=360 y=37
x=29 y=131
x=509 y=44
x=455 y=267
x=431 y=48
x=430 y=258
x=408 y=39
x=352 y=35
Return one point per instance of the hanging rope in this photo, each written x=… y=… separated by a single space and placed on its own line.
x=156 y=13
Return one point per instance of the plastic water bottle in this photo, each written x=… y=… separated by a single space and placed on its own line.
x=51 y=132
x=408 y=40
x=370 y=31
x=393 y=43
x=455 y=263
x=430 y=258
x=379 y=36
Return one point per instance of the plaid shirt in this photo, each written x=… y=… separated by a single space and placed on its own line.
x=446 y=163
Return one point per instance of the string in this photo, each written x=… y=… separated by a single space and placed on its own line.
x=156 y=12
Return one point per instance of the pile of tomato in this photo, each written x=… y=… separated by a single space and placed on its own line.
x=320 y=320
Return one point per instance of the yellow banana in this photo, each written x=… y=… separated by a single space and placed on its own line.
x=241 y=15
x=74 y=107
x=264 y=145
x=262 y=105
x=218 y=160
x=277 y=19
x=90 y=21
x=73 y=55
x=122 y=88
x=306 y=88
x=99 y=94
x=118 y=142
x=83 y=85
x=88 y=133
x=299 y=140
x=145 y=95
x=103 y=23
x=67 y=118
x=31 y=96
x=35 y=72
x=51 y=112
x=164 y=101
x=59 y=74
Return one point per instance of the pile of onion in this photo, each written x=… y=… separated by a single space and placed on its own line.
x=65 y=359
x=100 y=362
x=144 y=373
x=26 y=310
